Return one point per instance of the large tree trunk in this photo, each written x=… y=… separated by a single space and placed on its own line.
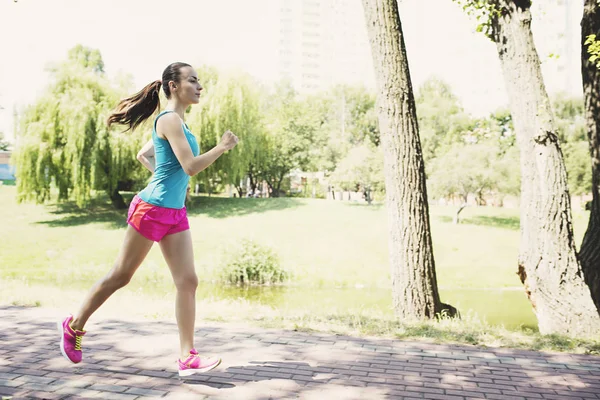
x=548 y=265
x=589 y=255
x=414 y=284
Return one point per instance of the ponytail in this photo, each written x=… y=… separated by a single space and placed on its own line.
x=136 y=109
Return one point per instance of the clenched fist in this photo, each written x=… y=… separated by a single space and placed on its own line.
x=229 y=140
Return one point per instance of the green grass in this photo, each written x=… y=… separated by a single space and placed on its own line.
x=324 y=244
x=337 y=254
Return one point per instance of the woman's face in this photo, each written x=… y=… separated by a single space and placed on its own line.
x=188 y=89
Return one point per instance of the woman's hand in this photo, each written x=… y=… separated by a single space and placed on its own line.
x=228 y=140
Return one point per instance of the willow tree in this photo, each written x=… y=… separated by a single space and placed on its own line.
x=229 y=102
x=548 y=264
x=64 y=142
x=414 y=282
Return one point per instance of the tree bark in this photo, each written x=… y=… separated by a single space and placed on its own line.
x=414 y=282
x=548 y=264
x=589 y=255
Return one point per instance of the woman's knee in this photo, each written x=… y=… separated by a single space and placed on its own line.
x=117 y=280
x=187 y=283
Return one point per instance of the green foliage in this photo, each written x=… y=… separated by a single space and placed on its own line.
x=87 y=58
x=579 y=168
x=442 y=120
x=251 y=263
x=353 y=115
x=484 y=12
x=593 y=49
x=349 y=119
x=295 y=135
x=569 y=115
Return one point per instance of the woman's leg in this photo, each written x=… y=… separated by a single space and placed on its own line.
x=179 y=255
x=133 y=251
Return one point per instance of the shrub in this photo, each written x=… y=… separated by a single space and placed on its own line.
x=252 y=263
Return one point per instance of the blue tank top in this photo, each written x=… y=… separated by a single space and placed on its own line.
x=169 y=184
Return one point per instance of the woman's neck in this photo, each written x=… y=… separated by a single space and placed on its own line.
x=177 y=107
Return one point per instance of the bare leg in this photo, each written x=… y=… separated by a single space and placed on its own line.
x=179 y=255
x=133 y=251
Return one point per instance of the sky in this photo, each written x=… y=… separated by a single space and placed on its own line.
x=141 y=37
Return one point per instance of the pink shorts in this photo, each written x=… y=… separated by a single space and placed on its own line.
x=154 y=222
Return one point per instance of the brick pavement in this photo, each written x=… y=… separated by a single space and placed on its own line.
x=135 y=360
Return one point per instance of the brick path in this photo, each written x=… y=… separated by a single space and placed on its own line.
x=135 y=360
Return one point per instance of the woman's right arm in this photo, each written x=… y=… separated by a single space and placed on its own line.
x=146 y=156
x=170 y=127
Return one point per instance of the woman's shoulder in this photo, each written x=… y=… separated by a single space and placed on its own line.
x=168 y=121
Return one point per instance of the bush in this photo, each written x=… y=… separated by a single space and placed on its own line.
x=252 y=263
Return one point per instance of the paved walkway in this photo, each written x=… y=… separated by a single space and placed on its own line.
x=135 y=360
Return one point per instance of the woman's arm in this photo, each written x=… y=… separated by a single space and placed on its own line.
x=170 y=127
x=146 y=156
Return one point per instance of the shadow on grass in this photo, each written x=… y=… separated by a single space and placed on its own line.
x=365 y=206
x=223 y=207
x=511 y=223
x=101 y=211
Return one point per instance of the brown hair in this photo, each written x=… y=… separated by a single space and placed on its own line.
x=136 y=109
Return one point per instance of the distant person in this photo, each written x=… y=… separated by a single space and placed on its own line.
x=157 y=213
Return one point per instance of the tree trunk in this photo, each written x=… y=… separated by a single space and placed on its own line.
x=240 y=191
x=414 y=283
x=278 y=187
x=548 y=265
x=589 y=255
x=117 y=200
x=253 y=180
x=456 y=216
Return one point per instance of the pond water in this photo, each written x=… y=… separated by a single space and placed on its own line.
x=508 y=307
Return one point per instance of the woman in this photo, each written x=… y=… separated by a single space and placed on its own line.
x=157 y=213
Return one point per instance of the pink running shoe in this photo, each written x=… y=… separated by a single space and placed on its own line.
x=70 y=340
x=194 y=364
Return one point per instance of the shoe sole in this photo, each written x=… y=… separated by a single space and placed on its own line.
x=62 y=342
x=188 y=372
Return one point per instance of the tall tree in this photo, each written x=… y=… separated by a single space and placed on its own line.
x=295 y=135
x=590 y=72
x=414 y=283
x=362 y=168
x=442 y=119
x=548 y=265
